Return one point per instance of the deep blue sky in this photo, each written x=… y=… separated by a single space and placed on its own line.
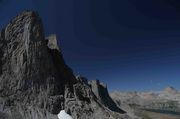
x=128 y=44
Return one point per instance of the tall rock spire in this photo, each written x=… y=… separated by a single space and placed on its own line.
x=29 y=67
x=36 y=83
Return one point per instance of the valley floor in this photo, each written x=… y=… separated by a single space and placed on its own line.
x=153 y=115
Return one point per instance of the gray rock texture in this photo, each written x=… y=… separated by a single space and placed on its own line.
x=86 y=105
x=32 y=74
x=35 y=82
x=101 y=92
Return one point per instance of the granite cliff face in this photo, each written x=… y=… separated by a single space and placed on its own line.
x=35 y=82
x=101 y=92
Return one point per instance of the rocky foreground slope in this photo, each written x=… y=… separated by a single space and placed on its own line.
x=35 y=82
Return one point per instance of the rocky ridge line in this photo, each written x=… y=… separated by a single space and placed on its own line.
x=35 y=82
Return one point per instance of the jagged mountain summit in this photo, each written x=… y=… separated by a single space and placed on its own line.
x=170 y=90
x=35 y=82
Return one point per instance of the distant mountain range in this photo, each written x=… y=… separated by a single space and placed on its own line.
x=167 y=99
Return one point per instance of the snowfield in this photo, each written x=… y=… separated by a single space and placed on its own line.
x=63 y=115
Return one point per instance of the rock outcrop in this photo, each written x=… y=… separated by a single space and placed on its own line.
x=87 y=105
x=35 y=82
x=31 y=72
x=101 y=92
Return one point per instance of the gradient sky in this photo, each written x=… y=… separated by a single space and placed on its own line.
x=128 y=44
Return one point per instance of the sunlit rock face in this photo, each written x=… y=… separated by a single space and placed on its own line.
x=35 y=82
x=33 y=73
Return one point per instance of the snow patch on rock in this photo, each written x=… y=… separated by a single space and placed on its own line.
x=63 y=115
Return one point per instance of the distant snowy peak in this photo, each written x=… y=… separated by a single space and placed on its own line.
x=142 y=98
x=170 y=90
x=63 y=115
